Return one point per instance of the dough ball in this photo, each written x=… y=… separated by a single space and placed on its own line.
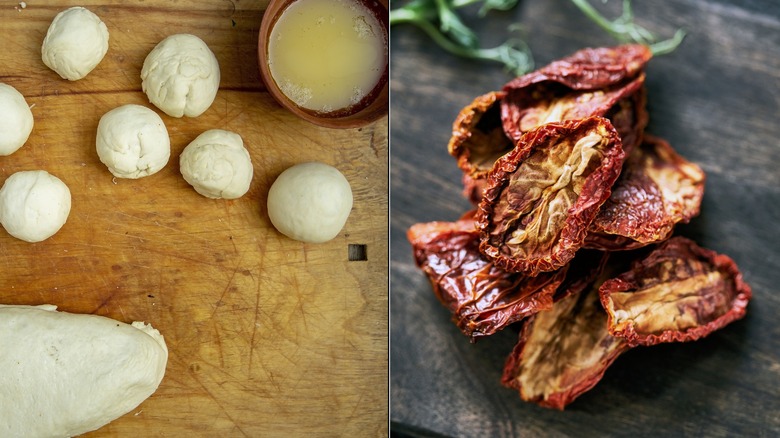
x=65 y=374
x=75 y=44
x=34 y=205
x=310 y=202
x=132 y=141
x=217 y=165
x=181 y=76
x=16 y=120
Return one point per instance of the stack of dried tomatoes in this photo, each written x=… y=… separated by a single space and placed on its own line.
x=571 y=235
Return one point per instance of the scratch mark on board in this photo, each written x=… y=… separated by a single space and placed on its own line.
x=221 y=407
x=227 y=287
x=255 y=325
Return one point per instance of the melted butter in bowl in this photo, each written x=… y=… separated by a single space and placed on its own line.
x=327 y=60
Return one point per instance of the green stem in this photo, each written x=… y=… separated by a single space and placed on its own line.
x=457 y=4
x=625 y=30
x=505 y=54
x=591 y=12
x=399 y=16
x=437 y=18
x=668 y=46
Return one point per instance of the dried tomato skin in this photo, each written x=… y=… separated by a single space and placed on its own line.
x=592 y=82
x=498 y=223
x=473 y=188
x=477 y=137
x=482 y=297
x=583 y=271
x=643 y=207
x=673 y=265
x=591 y=68
x=629 y=117
x=611 y=242
x=576 y=321
x=524 y=109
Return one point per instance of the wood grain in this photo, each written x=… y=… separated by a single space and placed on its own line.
x=716 y=100
x=267 y=336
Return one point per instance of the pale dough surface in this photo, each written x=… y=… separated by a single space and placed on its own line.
x=310 y=202
x=34 y=205
x=181 y=76
x=132 y=141
x=67 y=374
x=16 y=120
x=76 y=42
x=217 y=165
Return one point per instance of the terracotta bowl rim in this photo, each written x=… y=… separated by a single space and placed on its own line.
x=373 y=112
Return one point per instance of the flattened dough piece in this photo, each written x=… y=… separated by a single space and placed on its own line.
x=66 y=374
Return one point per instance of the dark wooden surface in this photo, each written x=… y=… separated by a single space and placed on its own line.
x=717 y=100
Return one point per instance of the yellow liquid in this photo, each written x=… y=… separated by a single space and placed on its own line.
x=327 y=55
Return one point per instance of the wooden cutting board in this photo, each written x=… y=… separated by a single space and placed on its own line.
x=267 y=336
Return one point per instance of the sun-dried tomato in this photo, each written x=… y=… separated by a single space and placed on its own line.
x=473 y=188
x=591 y=68
x=583 y=270
x=629 y=117
x=656 y=190
x=592 y=82
x=531 y=107
x=542 y=196
x=679 y=292
x=563 y=352
x=478 y=138
x=607 y=81
x=482 y=297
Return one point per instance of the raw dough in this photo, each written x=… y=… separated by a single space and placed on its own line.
x=132 y=141
x=181 y=76
x=66 y=374
x=310 y=202
x=16 y=120
x=34 y=205
x=217 y=165
x=75 y=44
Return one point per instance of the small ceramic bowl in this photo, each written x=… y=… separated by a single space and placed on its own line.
x=370 y=113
